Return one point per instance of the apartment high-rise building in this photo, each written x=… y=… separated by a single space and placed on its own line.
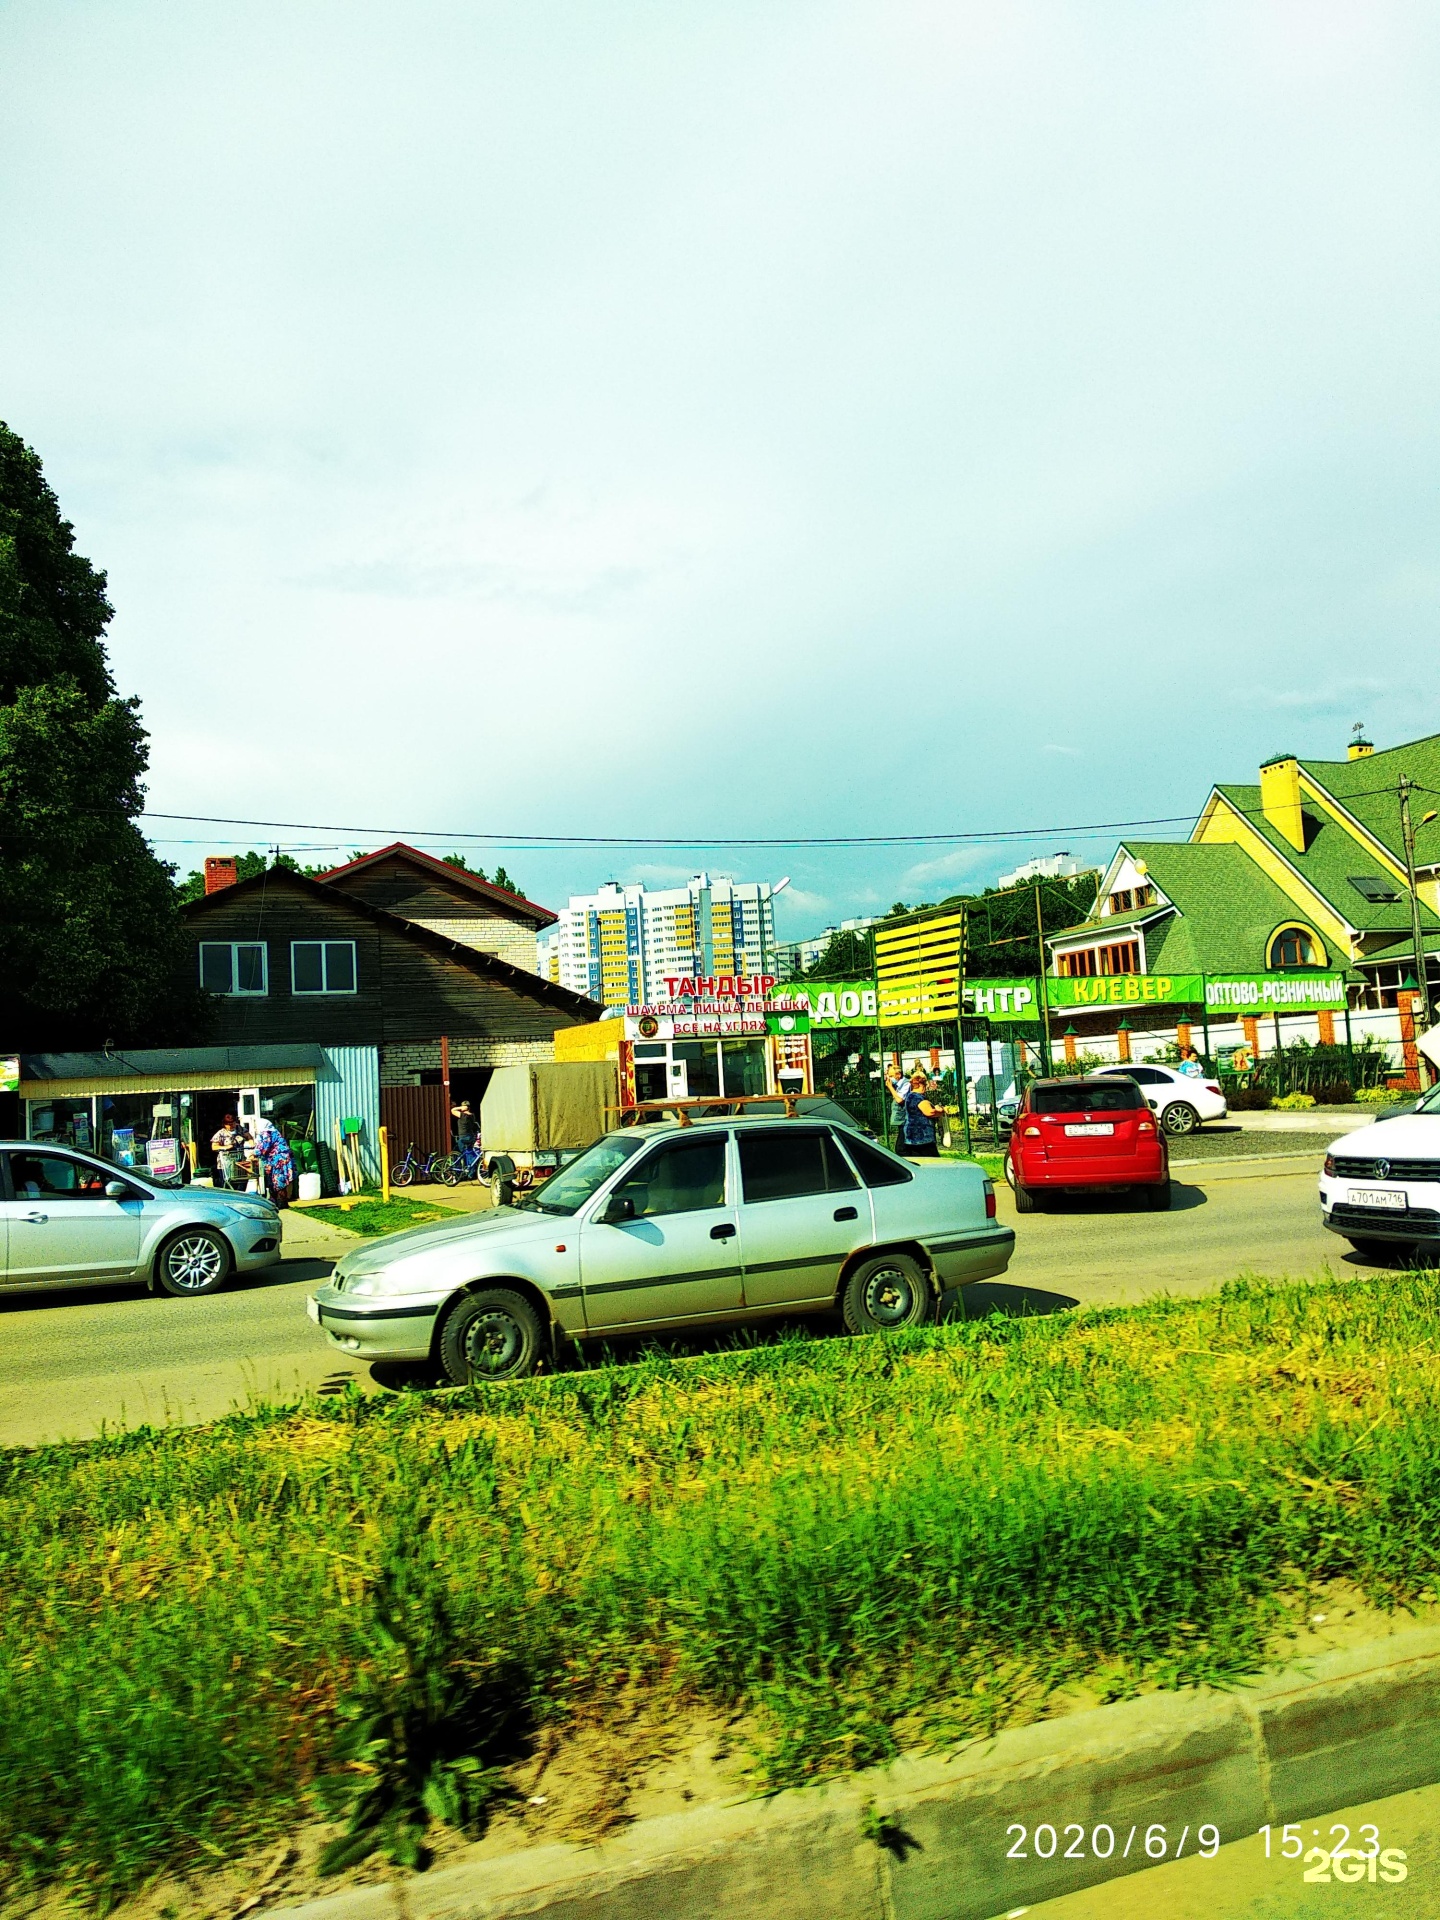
x=624 y=941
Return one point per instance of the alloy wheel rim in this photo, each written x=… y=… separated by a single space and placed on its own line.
x=493 y=1343
x=193 y=1263
x=889 y=1297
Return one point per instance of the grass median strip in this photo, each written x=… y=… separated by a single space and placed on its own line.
x=864 y=1543
x=371 y=1217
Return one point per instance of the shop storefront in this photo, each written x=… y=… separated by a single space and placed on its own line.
x=721 y=1038
x=159 y=1110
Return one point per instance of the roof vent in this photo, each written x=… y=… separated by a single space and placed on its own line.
x=1372 y=887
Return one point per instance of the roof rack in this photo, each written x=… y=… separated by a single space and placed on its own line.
x=685 y=1110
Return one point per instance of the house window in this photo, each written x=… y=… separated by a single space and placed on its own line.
x=1295 y=947
x=1129 y=898
x=322 y=966
x=234 y=966
x=1121 y=957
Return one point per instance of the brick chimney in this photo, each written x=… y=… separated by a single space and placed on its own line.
x=219 y=871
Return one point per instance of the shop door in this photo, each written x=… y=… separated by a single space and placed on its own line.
x=677 y=1256
x=247 y=1109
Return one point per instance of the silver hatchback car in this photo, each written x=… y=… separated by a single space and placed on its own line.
x=69 y=1220
x=673 y=1226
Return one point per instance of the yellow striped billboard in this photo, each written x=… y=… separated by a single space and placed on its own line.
x=917 y=968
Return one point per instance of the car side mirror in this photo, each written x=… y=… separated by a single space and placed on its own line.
x=1153 y=1105
x=621 y=1207
x=117 y=1190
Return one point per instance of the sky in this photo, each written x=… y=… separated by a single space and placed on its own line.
x=675 y=422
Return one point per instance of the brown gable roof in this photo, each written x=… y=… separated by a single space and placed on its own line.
x=513 y=905
x=532 y=986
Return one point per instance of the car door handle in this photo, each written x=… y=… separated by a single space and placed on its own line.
x=34 y=1219
x=725 y=1231
x=846 y=1213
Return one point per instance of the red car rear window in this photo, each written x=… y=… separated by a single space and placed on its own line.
x=1109 y=1096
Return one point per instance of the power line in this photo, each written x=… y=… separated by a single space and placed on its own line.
x=456 y=836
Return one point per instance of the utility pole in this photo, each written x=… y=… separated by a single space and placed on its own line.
x=1045 y=1059
x=1407 y=834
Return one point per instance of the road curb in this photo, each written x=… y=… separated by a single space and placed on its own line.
x=933 y=1839
x=1239 y=1167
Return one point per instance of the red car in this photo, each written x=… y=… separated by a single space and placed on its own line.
x=1073 y=1135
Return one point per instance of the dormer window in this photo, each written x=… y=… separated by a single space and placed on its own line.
x=1128 y=899
x=1294 y=947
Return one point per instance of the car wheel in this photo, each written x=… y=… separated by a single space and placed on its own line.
x=1158 y=1198
x=1180 y=1118
x=1026 y=1201
x=886 y=1293
x=491 y=1335
x=193 y=1262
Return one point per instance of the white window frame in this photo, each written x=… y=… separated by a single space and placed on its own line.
x=235 y=991
x=314 y=993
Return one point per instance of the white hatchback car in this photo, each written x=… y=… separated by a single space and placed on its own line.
x=1381 y=1185
x=1182 y=1102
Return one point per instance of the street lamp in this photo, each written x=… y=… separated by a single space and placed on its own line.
x=1407 y=835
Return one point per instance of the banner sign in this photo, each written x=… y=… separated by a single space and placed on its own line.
x=1125 y=990
x=1274 y=992
x=1001 y=1000
x=839 y=1003
x=719 y=1006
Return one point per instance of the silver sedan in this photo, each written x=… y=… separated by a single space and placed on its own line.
x=68 y=1220
x=672 y=1226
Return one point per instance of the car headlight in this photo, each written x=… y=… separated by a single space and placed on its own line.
x=1330 y=1163
x=248 y=1210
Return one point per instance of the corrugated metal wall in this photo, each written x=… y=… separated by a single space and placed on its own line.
x=418 y=1114
x=348 y=1086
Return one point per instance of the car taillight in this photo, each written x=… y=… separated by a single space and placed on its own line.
x=1330 y=1163
x=1032 y=1133
x=1146 y=1126
x=989 y=1200
x=1213 y=1086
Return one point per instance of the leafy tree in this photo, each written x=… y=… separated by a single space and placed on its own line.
x=1001 y=929
x=846 y=957
x=502 y=879
x=88 y=932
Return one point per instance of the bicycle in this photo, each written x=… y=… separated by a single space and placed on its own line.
x=466 y=1163
x=422 y=1167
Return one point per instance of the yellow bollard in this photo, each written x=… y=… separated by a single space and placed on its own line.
x=385 y=1164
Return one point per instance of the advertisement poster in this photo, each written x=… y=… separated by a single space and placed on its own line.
x=122 y=1146
x=162 y=1157
x=9 y=1073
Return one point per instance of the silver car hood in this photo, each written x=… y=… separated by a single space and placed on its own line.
x=372 y=1256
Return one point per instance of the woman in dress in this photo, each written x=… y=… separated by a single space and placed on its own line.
x=276 y=1161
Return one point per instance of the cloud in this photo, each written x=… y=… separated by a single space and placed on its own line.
x=1050 y=747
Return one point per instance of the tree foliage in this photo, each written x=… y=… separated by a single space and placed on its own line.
x=88 y=929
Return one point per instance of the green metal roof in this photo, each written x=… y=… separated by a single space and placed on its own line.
x=1225 y=909
x=1331 y=858
x=145 y=1063
x=1366 y=788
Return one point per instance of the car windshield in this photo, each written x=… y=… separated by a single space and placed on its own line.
x=1110 y=1096
x=1430 y=1103
x=567 y=1191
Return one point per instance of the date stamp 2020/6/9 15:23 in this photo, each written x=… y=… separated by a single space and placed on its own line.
x=1338 y=1860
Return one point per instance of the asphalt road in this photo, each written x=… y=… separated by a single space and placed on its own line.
x=77 y=1362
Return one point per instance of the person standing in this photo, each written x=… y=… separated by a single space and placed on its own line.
x=1191 y=1064
x=276 y=1162
x=228 y=1145
x=918 y=1115
x=467 y=1127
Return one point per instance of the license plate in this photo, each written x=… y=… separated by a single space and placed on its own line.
x=1092 y=1127
x=312 y=1307
x=1375 y=1197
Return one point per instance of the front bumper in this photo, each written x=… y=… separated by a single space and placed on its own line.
x=376 y=1329
x=1413 y=1224
x=257 y=1243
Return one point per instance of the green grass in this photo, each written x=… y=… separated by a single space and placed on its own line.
x=378 y=1216
x=865 y=1543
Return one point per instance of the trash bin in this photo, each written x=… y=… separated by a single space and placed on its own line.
x=309 y=1186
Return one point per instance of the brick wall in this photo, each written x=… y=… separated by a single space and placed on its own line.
x=507 y=939
x=399 y=1064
